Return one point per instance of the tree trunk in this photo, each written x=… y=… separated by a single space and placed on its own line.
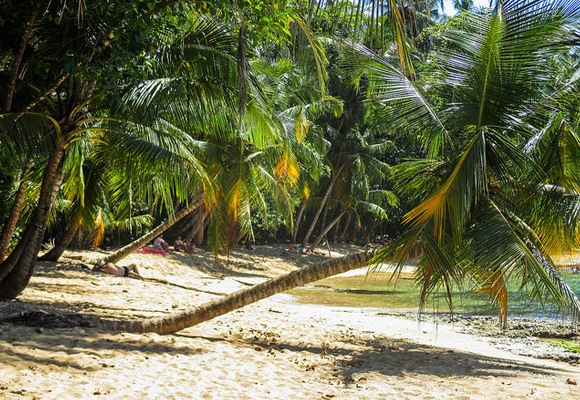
x=16 y=270
x=12 y=221
x=143 y=240
x=326 y=230
x=334 y=234
x=176 y=322
x=18 y=59
x=298 y=219
x=319 y=211
x=198 y=237
x=345 y=229
x=56 y=252
x=324 y=216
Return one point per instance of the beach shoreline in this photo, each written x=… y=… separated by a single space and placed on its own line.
x=276 y=348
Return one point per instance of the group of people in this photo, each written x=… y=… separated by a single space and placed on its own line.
x=131 y=271
x=179 y=245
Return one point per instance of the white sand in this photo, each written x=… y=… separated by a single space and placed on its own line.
x=273 y=349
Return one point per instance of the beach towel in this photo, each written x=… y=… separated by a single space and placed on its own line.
x=150 y=251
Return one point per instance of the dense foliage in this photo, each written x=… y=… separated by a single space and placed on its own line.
x=303 y=121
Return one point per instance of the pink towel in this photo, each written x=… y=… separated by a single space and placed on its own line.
x=150 y=251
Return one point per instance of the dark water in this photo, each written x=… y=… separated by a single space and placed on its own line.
x=403 y=295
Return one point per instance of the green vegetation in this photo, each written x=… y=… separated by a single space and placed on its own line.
x=572 y=345
x=457 y=137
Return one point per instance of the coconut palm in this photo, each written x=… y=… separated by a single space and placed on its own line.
x=484 y=214
x=223 y=305
x=134 y=146
x=353 y=166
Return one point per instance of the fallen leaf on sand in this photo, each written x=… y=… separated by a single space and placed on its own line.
x=570 y=382
x=534 y=391
x=258 y=348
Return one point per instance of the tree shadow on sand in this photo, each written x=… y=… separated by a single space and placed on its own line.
x=393 y=357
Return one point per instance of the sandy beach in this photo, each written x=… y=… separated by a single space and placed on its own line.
x=276 y=348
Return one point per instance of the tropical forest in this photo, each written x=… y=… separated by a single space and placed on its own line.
x=295 y=199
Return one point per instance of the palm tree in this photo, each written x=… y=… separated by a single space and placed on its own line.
x=484 y=214
x=80 y=117
x=205 y=312
x=353 y=161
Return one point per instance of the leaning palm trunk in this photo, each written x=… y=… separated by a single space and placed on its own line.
x=176 y=322
x=322 y=204
x=345 y=229
x=143 y=240
x=56 y=252
x=298 y=219
x=326 y=230
x=16 y=270
x=12 y=221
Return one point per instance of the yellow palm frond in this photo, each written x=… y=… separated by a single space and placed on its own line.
x=286 y=169
x=99 y=229
x=435 y=206
x=496 y=289
x=234 y=199
x=302 y=127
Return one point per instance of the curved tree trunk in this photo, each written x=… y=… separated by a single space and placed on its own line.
x=56 y=252
x=175 y=322
x=326 y=230
x=322 y=204
x=298 y=220
x=143 y=240
x=12 y=221
x=16 y=270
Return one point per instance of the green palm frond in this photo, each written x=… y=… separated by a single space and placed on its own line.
x=388 y=85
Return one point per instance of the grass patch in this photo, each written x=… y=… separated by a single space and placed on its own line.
x=572 y=345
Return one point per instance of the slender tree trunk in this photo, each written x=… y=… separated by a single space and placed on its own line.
x=298 y=220
x=12 y=221
x=143 y=240
x=345 y=229
x=56 y=252
x=176 y=322
x=198 y=237
x=18 y=59
x=326 y=230
x=16 y=270
x=334 y=234
x=324 y=216
x=310 y=10
x=319 y=211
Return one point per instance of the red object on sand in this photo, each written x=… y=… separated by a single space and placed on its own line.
x=150 y=251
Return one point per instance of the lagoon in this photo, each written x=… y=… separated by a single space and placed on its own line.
x=402 y=295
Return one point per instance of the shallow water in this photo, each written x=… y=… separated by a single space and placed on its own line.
x=403 y=295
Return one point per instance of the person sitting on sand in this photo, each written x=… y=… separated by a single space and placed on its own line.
x=130 y=271
x=159 y=244
x=189 y=245
x=179 y=245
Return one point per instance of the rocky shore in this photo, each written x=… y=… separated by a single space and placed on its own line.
x=555 y=339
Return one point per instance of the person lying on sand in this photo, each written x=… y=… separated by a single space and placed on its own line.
x=130 y=271
x=159 y=244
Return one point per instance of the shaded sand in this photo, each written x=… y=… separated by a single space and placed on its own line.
x=273 y=349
